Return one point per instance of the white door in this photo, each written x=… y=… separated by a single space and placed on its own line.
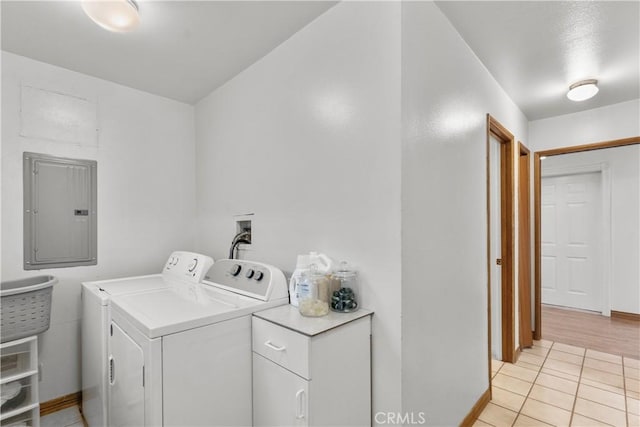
x=280 y=397
x=495 y=248
x=571 y=230
x=126 y=380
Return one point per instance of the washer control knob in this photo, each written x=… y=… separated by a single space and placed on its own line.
x=235 y=270
x=250 y=273
x=258 y=276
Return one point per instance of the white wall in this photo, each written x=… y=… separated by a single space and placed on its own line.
x=446 y=94
x=308 y=139
x=146 y=195
x=623 y=165
x=608 y=123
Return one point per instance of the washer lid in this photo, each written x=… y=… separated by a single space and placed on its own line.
x=180 y=307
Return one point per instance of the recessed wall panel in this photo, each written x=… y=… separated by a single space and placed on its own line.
x=57 y=116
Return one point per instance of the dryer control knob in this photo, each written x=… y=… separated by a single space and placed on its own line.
x=258 y=276
x=235 y=270
x=250 y=273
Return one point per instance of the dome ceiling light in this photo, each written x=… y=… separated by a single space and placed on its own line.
x=583 y=90
x=119 y=16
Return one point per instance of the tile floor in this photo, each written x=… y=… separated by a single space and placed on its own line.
x=562 y=385
x=69 y=417
x=552 y=384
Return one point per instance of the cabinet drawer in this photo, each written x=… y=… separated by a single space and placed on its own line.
x=28 y=418
x=18 y=359
x=20 y=398
x=287 y=348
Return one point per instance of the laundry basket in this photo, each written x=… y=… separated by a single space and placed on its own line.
x=25 y=307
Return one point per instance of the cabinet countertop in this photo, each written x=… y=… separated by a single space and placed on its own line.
x=289 y=317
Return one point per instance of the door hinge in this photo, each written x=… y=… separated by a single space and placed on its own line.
x=498 y=261
x=111 y=329
x=142 y=375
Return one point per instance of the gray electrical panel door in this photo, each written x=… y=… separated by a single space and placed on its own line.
x=60 y=205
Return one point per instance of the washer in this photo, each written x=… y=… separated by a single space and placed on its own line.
x=182 y=355
x=96 y=320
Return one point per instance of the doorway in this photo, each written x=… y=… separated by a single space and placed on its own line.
x=524 y=246
x=500 y=242
x=572 y=241
x=582 y=184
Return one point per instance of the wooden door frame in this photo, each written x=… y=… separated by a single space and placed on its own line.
x=524 y=245
x=537 y=187
x=507 y=236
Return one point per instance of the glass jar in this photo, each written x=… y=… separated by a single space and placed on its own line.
x=313 y=293
x=344 y=289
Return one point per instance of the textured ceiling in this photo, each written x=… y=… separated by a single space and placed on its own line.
x=185 y=49
x=182 y=49
x=536 y=49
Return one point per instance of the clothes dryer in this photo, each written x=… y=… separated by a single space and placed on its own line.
x=96 y=319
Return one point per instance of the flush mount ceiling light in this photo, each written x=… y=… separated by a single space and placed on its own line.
x=583 y=90
x=119 y=16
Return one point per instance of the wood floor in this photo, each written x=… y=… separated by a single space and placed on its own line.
x=590 y=330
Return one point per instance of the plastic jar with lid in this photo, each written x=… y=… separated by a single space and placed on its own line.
x=313 y=293
x=345 y=290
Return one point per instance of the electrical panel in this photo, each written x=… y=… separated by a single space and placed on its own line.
x=60 y=212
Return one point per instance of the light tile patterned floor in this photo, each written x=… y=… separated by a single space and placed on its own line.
x=562 y=385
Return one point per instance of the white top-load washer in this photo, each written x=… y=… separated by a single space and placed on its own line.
x=181 y=356
x=96 y=320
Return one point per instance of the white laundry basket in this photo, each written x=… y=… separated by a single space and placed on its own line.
x=25 y=307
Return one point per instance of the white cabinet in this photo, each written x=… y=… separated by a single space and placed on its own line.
x=311 y=372
x=279 y=396
x=126 y=380
x=20 y=381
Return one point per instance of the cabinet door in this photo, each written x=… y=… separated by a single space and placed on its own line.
x=126 y=380
x=279 y=396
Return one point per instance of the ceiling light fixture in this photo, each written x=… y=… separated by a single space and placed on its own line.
x=583 y=90
x=118 y=16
